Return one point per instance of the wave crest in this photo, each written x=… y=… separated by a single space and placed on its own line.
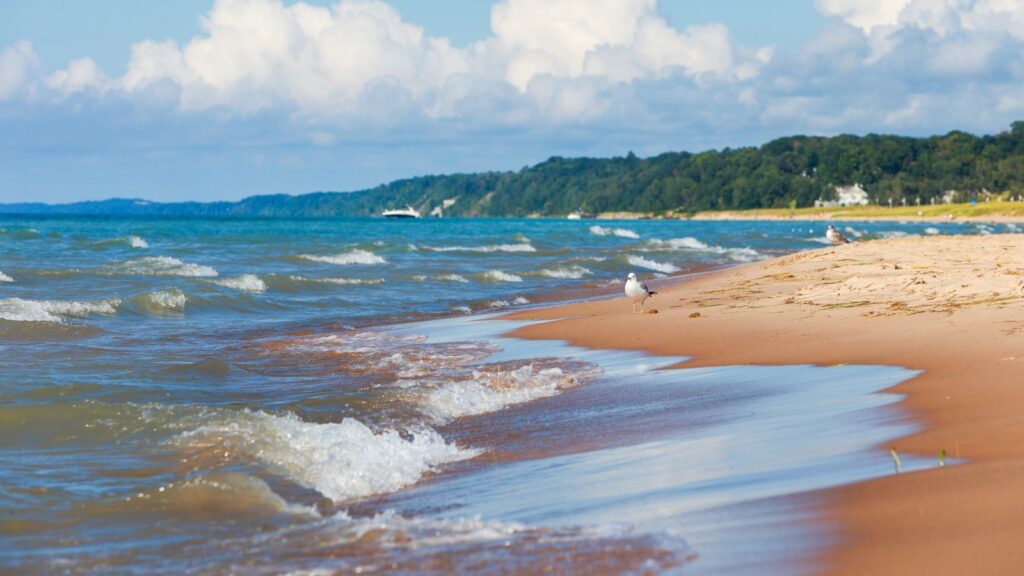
x=245 y=283
x=161 y=266
x=19 y=310
x=620 y=232
x=347 y=258
x=651 y=264
x=521 y=247
x=342 y=461
x=500 y=276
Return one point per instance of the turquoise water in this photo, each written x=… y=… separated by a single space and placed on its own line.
x=175 y=392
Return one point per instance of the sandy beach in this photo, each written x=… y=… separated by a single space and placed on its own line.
x=952 y=307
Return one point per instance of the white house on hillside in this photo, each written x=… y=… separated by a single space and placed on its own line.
x=845 y=196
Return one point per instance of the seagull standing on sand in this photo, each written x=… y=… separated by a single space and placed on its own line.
x=637 y=290
x=835 y=236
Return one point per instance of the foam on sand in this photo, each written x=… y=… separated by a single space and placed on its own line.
x=620 y=232
x=161 y=266
x=19 y=310
x=342 y=461
x=651 y=264
x=347 y=258
x=245 y=283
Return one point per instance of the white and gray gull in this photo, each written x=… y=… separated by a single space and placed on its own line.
x=835 y=236
x=637 y=291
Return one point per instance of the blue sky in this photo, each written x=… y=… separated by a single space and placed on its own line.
x=204 y=100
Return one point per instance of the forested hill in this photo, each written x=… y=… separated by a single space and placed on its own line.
x=792 y=171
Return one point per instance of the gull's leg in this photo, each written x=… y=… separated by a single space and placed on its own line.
x=642 y=302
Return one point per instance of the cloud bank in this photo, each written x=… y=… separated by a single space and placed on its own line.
x=557 y=73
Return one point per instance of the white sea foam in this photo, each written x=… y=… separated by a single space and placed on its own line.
x=572 y=272
x=462 y=309
x=651 y=264
x=931 y=231
x=351 y=257
x=493 y=390
x=342 y=461
x=5 y=277
x=338 y=281
x=690 y=244
x=520 y=300
x=893 y=234
x=620 y=232
x=521 y=247
x=19 y=310
x=137 y=242
x=499 y=276
x=854 y=232
x=245 y=283
x=172 y=299
x=161 y=266
x=451 y=278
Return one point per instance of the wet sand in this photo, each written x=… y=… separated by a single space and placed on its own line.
x=950 y=306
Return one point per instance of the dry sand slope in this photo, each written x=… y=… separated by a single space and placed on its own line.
x=952 y=306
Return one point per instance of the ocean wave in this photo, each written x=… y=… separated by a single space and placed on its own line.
x=162 y=302
x=137 y=242
x=499 y=276
x=19 y=310
x=245 y=283
x=342 y=461
x=931 y=231
x=694 y=245
x=213 y=496
x=161 y=266
x=351 y=257
x=5 y=277
x=651 y=264
x=571 y=273
x=441 y=278
x=620 y=232
x=383 y=353
x=521 y=247
x=494 y=389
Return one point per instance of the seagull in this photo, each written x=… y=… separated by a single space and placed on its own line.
x=637 y=290
x=835 y=236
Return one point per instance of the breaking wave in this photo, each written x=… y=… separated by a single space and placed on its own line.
x=491 y=390
x=342 y=461
x=521 y=247
x=19 y=310
x=245 y=283
x=162 y=302
x=499 y=276
x=694 y=245
x=651 y=264
x=161 y=266
x=620 y=232
x=137 y=242
x=571 y=273
x=5 y=277
x=351 y=257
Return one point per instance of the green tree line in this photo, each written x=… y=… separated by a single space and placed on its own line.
x=787 y=172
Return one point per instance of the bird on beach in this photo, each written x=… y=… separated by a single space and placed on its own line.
x=835 y=236
x=637 y=291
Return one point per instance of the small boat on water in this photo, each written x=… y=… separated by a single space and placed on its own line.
x=407 y=212
x=581 y=215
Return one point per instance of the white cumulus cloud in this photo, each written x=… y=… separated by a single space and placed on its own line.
x=18 y=66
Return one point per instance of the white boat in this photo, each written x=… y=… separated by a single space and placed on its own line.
x=581 y=215
x=407 y=212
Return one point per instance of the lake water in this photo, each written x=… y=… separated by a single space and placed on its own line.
x=228 y=396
